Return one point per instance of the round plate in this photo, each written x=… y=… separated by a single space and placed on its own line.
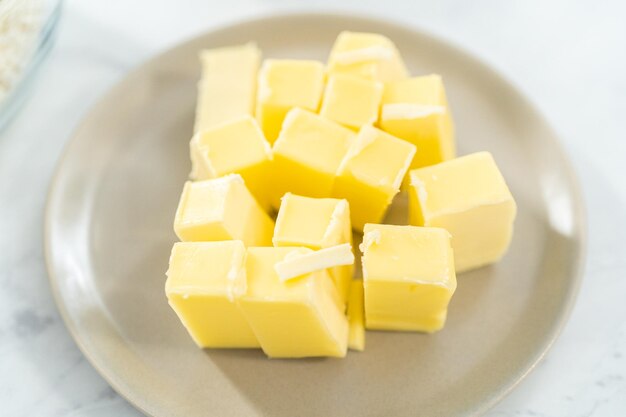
x=109 y=233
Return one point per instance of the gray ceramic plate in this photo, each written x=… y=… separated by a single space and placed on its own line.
x=109 y=233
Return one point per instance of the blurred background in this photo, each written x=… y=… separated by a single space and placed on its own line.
x=566 y=56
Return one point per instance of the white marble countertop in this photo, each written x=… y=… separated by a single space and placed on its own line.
x=567 y=56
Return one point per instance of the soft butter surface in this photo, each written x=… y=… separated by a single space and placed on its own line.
x=283 y=85
x=316 y=223
x=371 y=173
x=351 y=101
x=417 y=111
x=366 y=55
x=227 y=88
x=468 y=197
x=203 y=281
x=295 y=318
x=408 y=275
x=312 y=222
x=237 y=146
x=307 y=155
x=356 y=317
x=221 y=209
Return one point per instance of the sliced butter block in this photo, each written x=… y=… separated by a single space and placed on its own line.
x=356 y=320
x=408 y=276
x=371 y=174
x=468 y=197
x=296 y=318
x=298 y=263
x=221 y=209
x=366 y=55
x=283 y=85
x=203 y=281
x=307 y=155
x=316 y=223
x=417 y=110
x=237 y=146
x=351 y=101
x=227 y=88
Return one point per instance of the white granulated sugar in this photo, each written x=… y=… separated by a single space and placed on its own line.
x=20 y=26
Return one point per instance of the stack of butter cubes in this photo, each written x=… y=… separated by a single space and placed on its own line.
x=289 y=158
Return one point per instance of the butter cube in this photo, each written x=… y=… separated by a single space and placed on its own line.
x=296 y=318
x=203 y=281
x=221 y=209
x=356 y=313
x=468 y=197
x=352 y=101
x=316 y=223
x=307 y=155
x=409 y=277
x=227 y=88
x=237 y=146
x=366 y=55
x=371 y=174
x=417 y=110
x=283 y=85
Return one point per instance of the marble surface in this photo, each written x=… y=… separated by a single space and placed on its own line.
x=567 y=56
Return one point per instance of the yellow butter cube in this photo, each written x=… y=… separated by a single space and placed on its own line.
x=351 y=101
x=469 y=197
x=417 y=110
x=237 y=146
x=221 y=209
x=283 y=85
x=316 y=223
x=366 y=55
x=409 y=277
x=307 y=155
x=296 y=318
x=356 y=313
x=371 y=174
x=203 y=281
x=227 y=88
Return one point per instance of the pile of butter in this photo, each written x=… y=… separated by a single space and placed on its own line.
x=326 y=147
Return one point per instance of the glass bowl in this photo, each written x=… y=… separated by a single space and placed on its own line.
x=27 y=32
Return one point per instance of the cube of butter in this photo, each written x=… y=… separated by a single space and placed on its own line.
x=366 y=55
x=316 y=223
x=371 y=174
x=296 y=318
x=283 y=85
x=237 y=146
x=221 y=209
x=203 y=281
x=352 y=101
x=307 y=155
x=356 y=320
x=417 y=110
x=408 y=276
x=468 y=197
x=227 y=88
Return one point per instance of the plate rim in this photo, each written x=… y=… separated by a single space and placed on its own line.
x=578 y=202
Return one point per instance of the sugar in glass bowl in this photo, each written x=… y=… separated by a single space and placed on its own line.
x=27 y=32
